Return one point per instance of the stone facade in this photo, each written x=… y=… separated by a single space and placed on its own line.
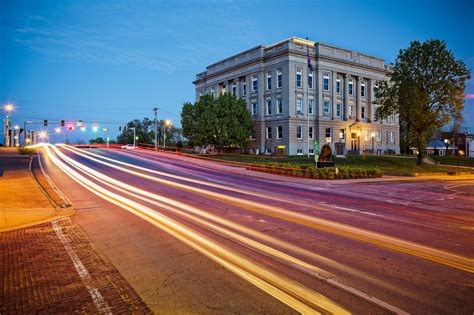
x=293 y=105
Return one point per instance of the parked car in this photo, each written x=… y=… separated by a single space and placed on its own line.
x=128 y=147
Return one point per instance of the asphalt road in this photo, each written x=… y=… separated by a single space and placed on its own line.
x=195 y=236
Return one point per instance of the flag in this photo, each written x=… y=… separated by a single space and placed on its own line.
x=310 y=66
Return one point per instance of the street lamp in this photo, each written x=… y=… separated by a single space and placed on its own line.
x=167 y=124
x=43 y=135
x=446 y=142
x=8 y=108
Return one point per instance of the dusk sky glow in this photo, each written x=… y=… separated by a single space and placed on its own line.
x=108 y=62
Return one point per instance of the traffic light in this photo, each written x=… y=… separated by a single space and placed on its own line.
x=120 y=128
x=70 y=128
x=62 y=123
x=45 y=122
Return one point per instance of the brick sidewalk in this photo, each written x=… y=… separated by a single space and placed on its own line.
x=52 y=268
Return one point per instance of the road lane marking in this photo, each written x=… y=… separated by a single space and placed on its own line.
x=289 y=292
x=393 y=243
x=171 y=205
x=99 y=302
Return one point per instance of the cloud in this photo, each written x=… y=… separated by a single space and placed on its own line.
x=158 y=36
x=469 y=96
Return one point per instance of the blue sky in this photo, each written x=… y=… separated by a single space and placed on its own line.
x=111 y=61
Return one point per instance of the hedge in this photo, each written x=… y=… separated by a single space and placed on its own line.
x=309 y=171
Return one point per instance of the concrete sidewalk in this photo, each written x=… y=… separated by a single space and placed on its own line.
x=23 y=202
x=47 y=263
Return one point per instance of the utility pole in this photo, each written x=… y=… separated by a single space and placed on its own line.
x=134 y=135
x=155 y=110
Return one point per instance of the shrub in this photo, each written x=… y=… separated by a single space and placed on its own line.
x=26 y=151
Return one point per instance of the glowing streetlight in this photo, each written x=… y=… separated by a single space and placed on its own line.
x=9 y=107
x=58 y=131
x=43 y=135
x=16 y=127
x=83 y=128
x=167 y=124
x=95 y=127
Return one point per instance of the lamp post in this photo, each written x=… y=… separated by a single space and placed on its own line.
x=358 y=142
x=8 y=108
x=373 y=141
x=134 y=135
x=446 y=142
x=167 y=124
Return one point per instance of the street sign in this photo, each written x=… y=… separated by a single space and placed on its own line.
x=316 y=147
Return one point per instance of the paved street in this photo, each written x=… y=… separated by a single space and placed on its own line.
x=196 y=236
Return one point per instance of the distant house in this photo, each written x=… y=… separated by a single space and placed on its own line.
x=438 y=147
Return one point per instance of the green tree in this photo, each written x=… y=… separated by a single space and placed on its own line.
x=98 y=140
x=144 y=130
x=220 y=122
x=426 y=89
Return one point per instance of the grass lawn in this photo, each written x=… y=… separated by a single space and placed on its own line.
x=454 y=160
x=388 y=164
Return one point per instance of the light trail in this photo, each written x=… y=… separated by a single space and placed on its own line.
x=273 y=197
x=289 y=292
x=172 y=206
x=393 y=243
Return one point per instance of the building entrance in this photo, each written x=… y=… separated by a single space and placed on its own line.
x=354 y=146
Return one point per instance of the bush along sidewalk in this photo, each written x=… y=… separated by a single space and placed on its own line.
x=309 y=171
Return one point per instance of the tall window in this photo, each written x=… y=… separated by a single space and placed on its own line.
x=392 y=136
x=279 y=79
x=338 y=85
x=299 y=105
x=279 y=106
x=362 y=88
x=254 y=109
x=280 y=132
x=299 y=132
x=310 y=107
x=254 y=83
x=234 y=89
x=326 y=82
x=342 y=134
x=378 y=136
x=362 y=112
x=328 y=135
x=299 y=74
x=310 y=80
x=269 y=133
x=244 y=88
x=253 y=135
x=269 y=80
x=326 y=108
x=213 y=92
x=338 y=109
x=367 y=135
x=310 y=133
x=269 y=107
x=351 y=87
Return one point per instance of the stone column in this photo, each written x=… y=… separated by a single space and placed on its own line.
x=319 y=93
x=369 y=92
x=261 y=107
x=345 y=99
x=334 y=95
x=357 y=93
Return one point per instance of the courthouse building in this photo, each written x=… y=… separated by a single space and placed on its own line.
x=295 y=102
